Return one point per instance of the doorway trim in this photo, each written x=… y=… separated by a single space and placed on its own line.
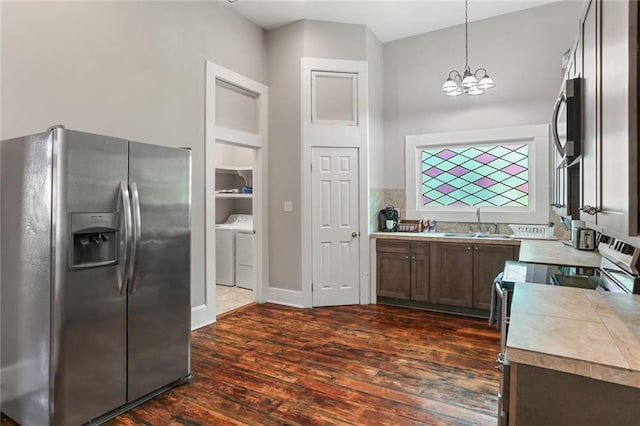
x=313 y=135
x=206 y=313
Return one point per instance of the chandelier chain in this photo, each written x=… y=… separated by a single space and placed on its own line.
x=466 y=33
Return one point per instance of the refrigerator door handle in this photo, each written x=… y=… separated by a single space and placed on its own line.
x=125 y=210
x=135 y=245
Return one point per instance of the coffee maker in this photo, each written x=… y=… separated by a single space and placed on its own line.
x=389 y=217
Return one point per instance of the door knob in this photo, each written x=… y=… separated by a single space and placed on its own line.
x=354 y=234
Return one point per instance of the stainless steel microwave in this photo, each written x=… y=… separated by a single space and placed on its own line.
x=566 y=124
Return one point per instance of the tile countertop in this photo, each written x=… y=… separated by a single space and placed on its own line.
x=557 y=253
x=440 y=237
x=576 y=331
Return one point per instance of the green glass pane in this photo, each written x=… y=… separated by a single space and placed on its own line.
x=513 y=181
x=471 y=164
x=499 y=163
x=472 y=188
x=513 y=157
x=471 y=176
x=499 y=176
x=498 y=151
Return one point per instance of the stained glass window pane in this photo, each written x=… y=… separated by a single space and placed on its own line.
x=496 y=175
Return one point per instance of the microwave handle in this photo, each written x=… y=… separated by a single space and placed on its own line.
x=554 y=124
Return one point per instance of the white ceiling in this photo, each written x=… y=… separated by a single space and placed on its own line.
x=388 y=19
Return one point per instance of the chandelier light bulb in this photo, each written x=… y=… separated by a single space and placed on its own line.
x=449 y=85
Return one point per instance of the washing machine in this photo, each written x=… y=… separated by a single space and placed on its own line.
x=227 y=254
x=244 y=259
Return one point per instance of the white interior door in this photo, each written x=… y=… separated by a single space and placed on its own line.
x=335 y=235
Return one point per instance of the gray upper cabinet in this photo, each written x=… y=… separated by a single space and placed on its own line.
x=589 y=166
x=609 y=164
x=619 y=117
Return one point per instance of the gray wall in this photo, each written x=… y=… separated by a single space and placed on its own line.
x=286 y=45
x=130 y=69
x=374 y=56
x=521 y=51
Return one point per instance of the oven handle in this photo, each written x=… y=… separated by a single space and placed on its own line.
x=610 y=279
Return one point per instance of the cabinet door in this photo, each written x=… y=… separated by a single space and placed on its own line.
x=451 y=274
x=488 y=261
x=394 y=274
x=419 y=271
x=619 y=196
x=419 y=278
x=590 y=123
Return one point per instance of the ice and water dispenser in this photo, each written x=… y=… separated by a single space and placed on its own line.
x=94 y=240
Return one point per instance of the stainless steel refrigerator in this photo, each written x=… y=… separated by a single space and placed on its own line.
x=95 y=270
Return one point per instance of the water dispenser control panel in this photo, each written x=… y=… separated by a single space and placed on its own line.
x=94 y=240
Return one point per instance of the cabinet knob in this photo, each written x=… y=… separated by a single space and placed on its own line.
x=475 y=248
x=469 y=248
x=413 y=257
x=406 y=257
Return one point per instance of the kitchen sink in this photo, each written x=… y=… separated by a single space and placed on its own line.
x=494 y=236
x=460 y=235
x=476 y=235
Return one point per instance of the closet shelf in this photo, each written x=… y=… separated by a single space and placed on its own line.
x=233 y=195
x=233 y=169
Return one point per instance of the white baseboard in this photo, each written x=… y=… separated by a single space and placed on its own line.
x=201 y=316
x=283 y=296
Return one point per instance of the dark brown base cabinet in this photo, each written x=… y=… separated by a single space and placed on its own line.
x=403 y=269
x=540 y=396
x=462 y=274
x=440 y=274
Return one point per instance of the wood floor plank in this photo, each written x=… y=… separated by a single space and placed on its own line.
x=357 y=365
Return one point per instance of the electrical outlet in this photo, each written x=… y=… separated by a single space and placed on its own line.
x=288 y=206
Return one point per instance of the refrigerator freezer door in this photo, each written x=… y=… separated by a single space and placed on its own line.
x=89 y=317
x=25 y=274
x=159 y=291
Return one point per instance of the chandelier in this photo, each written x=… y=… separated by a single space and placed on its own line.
x=475 y=83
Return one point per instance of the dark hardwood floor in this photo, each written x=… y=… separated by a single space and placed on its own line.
x=367 y=365
x=364 y=365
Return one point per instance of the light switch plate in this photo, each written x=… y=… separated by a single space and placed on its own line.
x=288 y=206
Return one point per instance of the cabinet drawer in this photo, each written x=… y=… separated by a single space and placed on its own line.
x=419 y=247
x=393 y=246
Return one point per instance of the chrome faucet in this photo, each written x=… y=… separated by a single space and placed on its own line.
x=478 y=217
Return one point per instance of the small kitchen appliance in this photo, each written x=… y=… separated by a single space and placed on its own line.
x=389 y=217
x=583 y=238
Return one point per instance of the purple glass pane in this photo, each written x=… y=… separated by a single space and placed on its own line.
x=433 y=172
x=485 y=182
x=458 y=171
x=512 y=147
x=446 y=154
x=446 y=188
x=459 y=203
x=524 y=188
x=485 y=158
x=513 y=169
x=426 y=200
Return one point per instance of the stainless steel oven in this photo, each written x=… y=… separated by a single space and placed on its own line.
x=504 y=291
